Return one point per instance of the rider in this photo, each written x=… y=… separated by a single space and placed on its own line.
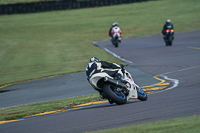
x=98 y=66
x=167 y=25
x=115 y=25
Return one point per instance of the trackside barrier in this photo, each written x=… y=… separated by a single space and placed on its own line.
x=44 y=6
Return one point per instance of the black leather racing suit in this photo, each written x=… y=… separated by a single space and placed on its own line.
x=166 y=26
x=97 y=67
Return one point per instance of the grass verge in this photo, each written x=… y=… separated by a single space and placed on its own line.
x=179 y=125
x=21 y=111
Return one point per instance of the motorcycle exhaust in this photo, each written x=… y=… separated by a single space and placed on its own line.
x=115 y=82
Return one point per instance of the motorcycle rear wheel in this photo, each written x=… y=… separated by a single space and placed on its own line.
x=170 y=40
x=117 y=97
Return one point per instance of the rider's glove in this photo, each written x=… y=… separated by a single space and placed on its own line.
x=121 y=65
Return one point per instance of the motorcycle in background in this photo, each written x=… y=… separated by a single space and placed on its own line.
x=117 y=91
x=169 y=36
x=116 y=36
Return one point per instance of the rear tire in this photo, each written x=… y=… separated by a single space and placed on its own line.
x=113 y=96
x=166 y=43
x=170 y=40
x=170 y=43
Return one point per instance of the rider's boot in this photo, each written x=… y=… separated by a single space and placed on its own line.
x=102 y=95
x=118 y=76
x=111 y=102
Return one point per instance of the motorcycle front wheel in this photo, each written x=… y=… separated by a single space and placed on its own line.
x=115 y=96
x=141 y=94
x=115 y=42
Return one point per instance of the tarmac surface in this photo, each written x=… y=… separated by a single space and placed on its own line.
x=149 y=57
x=58 y=87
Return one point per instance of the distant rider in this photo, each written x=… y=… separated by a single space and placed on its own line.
x=98 y=66
x=115 y=28
x=167 y=25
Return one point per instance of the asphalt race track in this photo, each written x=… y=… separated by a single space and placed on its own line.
x=149 y=55
x=58 y=87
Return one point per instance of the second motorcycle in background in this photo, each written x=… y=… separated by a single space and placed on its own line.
x=115 y=34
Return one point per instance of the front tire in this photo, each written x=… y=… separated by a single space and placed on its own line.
x=117 y=97
x=116 y=42
x=141 y=94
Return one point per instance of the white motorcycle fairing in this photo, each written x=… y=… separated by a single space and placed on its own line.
x=95 y=78
x=116 y=35
x=131 y=86
x=97 y=82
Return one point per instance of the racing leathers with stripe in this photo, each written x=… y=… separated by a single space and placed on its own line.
x=115 y=29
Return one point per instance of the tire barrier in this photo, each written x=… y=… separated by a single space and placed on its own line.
x=44 y=6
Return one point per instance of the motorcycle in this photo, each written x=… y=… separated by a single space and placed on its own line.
x=117 y=91
x=116 y=37
x=169 y=36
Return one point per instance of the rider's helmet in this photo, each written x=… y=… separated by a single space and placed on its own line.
x=94 y=59
x=115 y=24
x=168 y=21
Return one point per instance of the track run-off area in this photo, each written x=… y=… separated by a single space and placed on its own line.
x=170 y=76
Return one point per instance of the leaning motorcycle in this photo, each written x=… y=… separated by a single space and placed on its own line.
x=117 y=91
x=168 y=38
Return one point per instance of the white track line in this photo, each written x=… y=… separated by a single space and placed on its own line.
x=175 y=84
x=113 y=54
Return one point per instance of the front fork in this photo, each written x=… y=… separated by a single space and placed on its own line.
x=117 y=35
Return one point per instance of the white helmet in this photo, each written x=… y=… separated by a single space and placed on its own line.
x=115 y=24
x=168 y=21
x=94 y=59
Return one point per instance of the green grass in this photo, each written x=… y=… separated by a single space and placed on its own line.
x=179 y=125
x=43 y=44
x=52 y=43
x=20 y=111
